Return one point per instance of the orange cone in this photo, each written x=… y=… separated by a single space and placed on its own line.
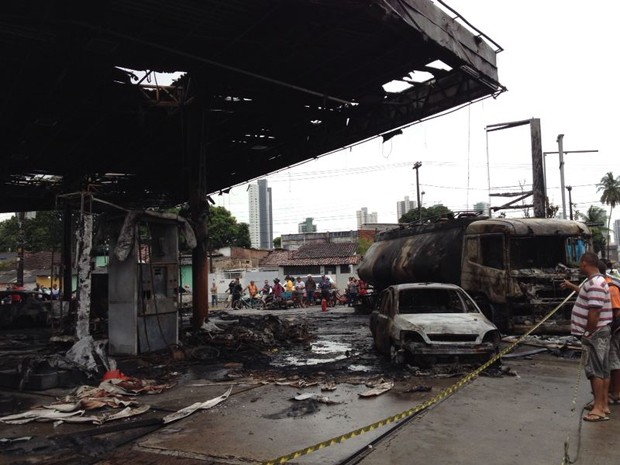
x=324 y=305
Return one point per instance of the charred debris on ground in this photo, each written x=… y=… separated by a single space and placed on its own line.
x=232 y=346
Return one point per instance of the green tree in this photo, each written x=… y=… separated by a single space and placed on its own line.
x=224 y=231
x=277 y=242
x=610 y=186
x=428 y=214
x=8 y=234
x=242 y=238
x=595 y=218
x=363 y=245
x=43 y=232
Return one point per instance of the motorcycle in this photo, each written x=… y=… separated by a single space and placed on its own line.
x=255 y=303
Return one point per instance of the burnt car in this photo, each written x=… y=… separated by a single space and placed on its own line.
x=21 y=308
x=431 y=322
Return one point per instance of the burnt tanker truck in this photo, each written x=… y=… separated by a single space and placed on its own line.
x=512 y=267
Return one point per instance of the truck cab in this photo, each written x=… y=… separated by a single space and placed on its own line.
x=514 y=267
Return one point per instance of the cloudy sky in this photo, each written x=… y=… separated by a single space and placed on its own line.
x=557 y=58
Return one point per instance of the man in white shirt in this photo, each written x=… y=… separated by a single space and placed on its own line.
x=300 y=291
x=591 y=318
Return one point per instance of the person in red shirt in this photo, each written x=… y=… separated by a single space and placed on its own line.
x=277 y=289
x=614 y=345
x=16 y=298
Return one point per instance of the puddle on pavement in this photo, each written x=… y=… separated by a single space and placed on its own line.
x=364 y=368
x=329 y=347
x=320 y=352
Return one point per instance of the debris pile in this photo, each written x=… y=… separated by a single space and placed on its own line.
x=269 y=331
x=377 y=387
x=116 y=391
x=560 y=346
x=224 y=336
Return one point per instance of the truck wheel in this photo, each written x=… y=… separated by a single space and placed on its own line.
x=497 y=313
x=485 y=306
x=502 y=318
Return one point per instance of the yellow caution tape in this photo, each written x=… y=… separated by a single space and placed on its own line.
x=418 y=408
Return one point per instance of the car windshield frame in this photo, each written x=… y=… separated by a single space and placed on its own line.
x=415 y=301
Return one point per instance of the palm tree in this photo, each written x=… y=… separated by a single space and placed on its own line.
x=611 y=196
x=596 y=218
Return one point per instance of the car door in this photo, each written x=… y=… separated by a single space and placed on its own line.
x=383 y=323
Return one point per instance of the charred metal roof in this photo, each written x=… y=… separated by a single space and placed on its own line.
x=529 y=226
x=268 y=84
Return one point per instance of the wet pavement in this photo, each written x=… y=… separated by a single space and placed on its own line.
x=506 y=419
x=509 y=421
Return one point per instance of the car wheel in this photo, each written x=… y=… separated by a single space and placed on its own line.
x=373 y=324
x=397 y=356
x=496 y=364
x=381 y=343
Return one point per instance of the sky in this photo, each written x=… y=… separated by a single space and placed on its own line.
x=557 y=58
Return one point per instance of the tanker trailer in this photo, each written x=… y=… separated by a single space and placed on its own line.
x=511 y=267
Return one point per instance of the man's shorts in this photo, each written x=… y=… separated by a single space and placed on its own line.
x=596 y=350
x=614 y=351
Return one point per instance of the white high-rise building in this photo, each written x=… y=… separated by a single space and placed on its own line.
x=617 y=231
x=363 y=217
x=404 y=206
x=261 y=220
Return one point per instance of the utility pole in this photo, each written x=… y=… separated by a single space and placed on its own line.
x=538 y=175
x=561 y=152
x=560 y=141
x=570 y=201
x=416 y=167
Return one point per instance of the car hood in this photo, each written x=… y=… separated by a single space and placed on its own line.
x=442 y=323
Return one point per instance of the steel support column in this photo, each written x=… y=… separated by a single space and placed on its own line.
x=196 y=175
x=66 y=252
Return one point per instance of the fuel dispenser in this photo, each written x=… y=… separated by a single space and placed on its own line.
x=142 y=311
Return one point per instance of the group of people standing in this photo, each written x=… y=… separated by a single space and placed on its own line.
x=596 y=320
x=355 y=288
x=41 y=292
x=304 y=293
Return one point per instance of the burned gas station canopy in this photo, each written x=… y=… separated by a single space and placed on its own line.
x=266 y=84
